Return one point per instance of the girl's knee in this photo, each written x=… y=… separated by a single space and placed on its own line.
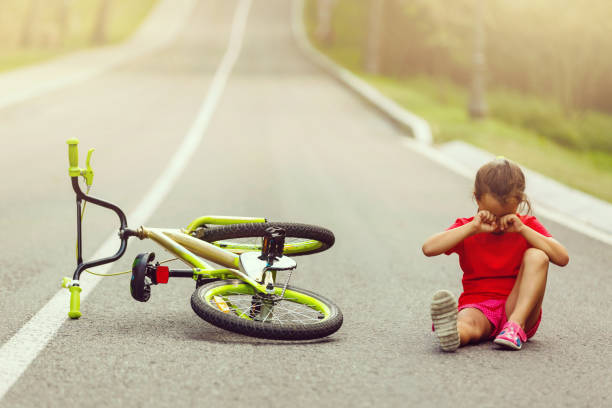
x=467 y=331
x=534 y=256
x=468 y=320
x=472 y=325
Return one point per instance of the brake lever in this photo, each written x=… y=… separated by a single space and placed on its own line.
x=88 y=173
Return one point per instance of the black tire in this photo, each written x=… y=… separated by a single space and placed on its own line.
x=139 y=288
x=315 y=324
x=294 y=232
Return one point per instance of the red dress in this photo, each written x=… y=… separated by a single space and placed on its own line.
x=491 y=262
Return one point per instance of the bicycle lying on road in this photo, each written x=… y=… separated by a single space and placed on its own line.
x=244 y=295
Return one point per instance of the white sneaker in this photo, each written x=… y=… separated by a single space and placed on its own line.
x=444 y=318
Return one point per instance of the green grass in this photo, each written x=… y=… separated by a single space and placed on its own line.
x=127 y=17
x=124 y=17
x=444 y=105
x=589 y=171
x=18 y=58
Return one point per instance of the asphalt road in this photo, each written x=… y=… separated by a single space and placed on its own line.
x=288 y=143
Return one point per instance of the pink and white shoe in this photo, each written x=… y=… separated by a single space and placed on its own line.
x=512 y=336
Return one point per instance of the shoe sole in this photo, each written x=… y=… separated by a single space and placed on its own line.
x=444 y=318
x=507 y=343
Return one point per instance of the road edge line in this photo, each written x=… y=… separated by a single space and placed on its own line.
x=23 y=347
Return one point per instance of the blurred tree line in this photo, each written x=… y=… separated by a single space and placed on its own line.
x=544 y=63
x=36 y=28
x=53 y=23
x=553 y=48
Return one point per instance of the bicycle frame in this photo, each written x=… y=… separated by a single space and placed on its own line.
x=183 y=245
x=237 y=268
x=191 y=251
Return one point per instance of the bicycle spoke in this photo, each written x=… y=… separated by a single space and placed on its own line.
x=287 y=311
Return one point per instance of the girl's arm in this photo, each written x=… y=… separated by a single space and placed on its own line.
x=484 y=221
x=555 y=251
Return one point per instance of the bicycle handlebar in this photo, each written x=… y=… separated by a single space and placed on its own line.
x=73 y=157
x=75 y=302
x=124 y=233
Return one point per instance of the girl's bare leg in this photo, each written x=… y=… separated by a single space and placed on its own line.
x=525 y=301
x=473 y=326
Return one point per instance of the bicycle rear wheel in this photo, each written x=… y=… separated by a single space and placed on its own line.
x=235 y=306
x=301 y=239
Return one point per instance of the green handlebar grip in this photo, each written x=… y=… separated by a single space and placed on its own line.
x=73 y=157
x=75 y=302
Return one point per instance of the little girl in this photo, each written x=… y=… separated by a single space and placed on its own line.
x=504 y=257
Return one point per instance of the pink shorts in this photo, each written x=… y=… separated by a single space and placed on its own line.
x=495 y=311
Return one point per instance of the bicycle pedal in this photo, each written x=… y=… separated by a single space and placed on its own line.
x=273 y=244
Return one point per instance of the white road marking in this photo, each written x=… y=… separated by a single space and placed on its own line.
x=19 y=351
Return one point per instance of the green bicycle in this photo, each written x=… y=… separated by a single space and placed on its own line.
x=245 y=295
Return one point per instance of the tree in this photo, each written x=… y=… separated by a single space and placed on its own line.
x=100 y=34
x=478 y=106
x=374 y=37
x=63 y=20
x=325 y=31
x=27 y=31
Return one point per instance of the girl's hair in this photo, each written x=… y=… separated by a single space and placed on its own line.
x=504 y=180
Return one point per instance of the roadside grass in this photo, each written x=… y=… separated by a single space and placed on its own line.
x=12 y=59
x=444 y=105
x=47 y=40
x=589 y=171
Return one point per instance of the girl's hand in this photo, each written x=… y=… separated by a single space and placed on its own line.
x=484 y=221
x=511 y=223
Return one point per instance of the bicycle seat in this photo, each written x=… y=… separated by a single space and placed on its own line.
x=254 y=266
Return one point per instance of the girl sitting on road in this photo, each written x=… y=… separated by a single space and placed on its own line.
x=504 y=257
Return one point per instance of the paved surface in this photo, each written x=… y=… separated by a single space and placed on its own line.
x=289 y=143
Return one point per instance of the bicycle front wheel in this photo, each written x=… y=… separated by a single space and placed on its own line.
x=301 y=239
x=236 y=306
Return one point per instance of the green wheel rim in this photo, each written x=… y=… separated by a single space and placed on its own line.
x=291 y=247
x=293 y=308
x=300 y=239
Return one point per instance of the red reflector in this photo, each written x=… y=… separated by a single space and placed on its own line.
x=162 y=273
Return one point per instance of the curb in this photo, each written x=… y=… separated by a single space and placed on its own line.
x=408 y=121
x=571 y=208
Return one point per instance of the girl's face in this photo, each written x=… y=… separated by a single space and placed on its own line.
x=489 y=203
